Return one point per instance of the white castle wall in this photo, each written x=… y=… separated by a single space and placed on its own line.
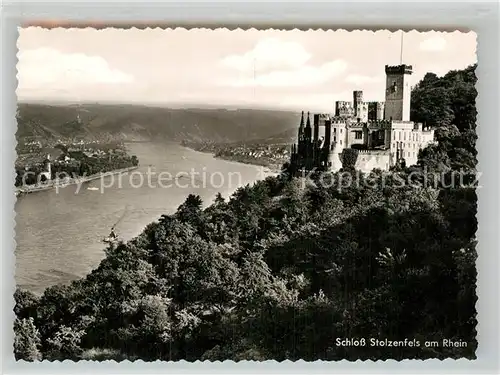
x=335 y=161
x=367 y=160
x=370 y=160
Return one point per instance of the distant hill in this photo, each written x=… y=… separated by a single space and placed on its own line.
x=286 y=136
x=138 y=123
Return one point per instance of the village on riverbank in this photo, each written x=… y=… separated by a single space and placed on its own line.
x=43 y=165
x=268 y=155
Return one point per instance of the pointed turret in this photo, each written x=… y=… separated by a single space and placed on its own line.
x=316 y=128
x=307 y=151
x=308 y=129
x=301 y=127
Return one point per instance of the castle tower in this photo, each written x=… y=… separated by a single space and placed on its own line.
x=334 y=162
x=326 y=149
x=49 y=166
x=328 y=134
x=357 y=97
x=380 y=110
x=316 y=128
x=398 y=92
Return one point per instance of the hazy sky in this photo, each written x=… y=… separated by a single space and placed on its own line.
x=281 y=69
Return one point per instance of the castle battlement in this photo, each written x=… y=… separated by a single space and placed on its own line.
x=358 y=95
x=374 y=152
x=370 y=124
x=398 y=69
x=379 y=123
x=355 y=124
x=403 y=125
x=337 y=120
x=402 y=122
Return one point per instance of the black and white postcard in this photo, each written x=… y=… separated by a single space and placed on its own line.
x=215 y=194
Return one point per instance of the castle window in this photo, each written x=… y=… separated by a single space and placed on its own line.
x=340 y=130
x=335 y=130
x=341 y=142
x=394 y=87
x=400 y=135
x=358 y=134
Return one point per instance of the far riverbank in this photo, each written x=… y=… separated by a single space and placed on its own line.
x=272 y=165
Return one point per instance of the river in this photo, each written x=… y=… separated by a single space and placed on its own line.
x=59 y=233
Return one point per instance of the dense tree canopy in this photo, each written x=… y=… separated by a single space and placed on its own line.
x=289 y=267
x=451 y=99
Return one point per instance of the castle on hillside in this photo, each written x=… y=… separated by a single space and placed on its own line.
x=379 y=134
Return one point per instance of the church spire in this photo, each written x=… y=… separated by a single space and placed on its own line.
x=301 y=127
x=308 y=130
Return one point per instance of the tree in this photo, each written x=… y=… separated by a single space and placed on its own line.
x=26 y=304
x=451 y=99
x=219 y=199
x=431 y=105
x=190 y=212
x=26 y=340
x=65 y=344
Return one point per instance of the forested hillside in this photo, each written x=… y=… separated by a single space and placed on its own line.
x=449 y=105
x=290 y=267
